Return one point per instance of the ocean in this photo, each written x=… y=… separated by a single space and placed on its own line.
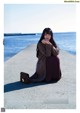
x=15 y=43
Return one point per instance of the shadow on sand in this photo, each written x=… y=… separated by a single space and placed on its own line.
x=19 y=85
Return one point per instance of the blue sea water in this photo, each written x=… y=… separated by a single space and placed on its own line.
x=14 y=44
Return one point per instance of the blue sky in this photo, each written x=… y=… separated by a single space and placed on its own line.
x=30 y=18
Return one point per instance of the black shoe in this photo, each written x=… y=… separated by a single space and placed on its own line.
x=24 y=77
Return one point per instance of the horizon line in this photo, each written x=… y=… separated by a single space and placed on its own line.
x=35 y=32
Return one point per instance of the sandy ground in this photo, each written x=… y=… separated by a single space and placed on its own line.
x=60 y=95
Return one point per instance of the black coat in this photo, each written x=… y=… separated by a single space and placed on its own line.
x=44 y=68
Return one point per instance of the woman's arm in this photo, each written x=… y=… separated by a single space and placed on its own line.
x=45 y=49
x=55 y=51
x=42 y=49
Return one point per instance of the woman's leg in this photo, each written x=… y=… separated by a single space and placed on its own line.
x=53 y=71
x=34 y=76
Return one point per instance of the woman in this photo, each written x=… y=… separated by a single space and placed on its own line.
x=48 y=65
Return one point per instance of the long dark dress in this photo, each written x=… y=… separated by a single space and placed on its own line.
x=48 y=65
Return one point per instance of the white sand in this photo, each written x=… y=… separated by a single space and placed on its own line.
x=60 y=95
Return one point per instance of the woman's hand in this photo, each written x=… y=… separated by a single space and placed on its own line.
x=46 y=42
x=43 y=41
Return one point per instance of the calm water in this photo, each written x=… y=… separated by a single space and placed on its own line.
x=14 y=44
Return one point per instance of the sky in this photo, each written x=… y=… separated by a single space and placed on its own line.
x=33 y=18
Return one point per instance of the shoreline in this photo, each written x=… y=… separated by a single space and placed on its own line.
x=60 y=95
x=18 y=52
x=70 y=52
x=18 y=34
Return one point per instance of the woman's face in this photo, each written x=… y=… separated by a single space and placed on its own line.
x=47 y=37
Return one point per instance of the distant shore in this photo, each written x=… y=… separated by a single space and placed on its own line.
x=18 y=34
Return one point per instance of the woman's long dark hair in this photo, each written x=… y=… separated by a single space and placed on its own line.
x=47 y=31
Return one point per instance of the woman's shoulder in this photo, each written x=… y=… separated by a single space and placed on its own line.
x=40 y=45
